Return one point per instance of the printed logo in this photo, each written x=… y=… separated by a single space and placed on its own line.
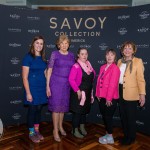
x=15 y=102
x=99 y=115
x=139 y=123
x=15 y=88
x=33 y=31
x=123 y=17
x=142 y=46
x=14 y=16
x=122 y=31
x=51 y=46
x=101 y=62
x=15 y=60
x=33 y=18
x=16 y=116
x=15 y=75
x=144 y=15
x=1 y=128
x=85 y=46
x=14 y=45
x=103 y=46
x=78 y=40
x=143 y=30
x=14 y=30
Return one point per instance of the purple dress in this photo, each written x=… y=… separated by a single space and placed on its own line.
x=59 y=84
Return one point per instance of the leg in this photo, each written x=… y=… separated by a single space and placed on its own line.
x=30 y=119
x=37 y=121
x=75 y=125
x=82 y=124
x=55 y=117
x=61 y=129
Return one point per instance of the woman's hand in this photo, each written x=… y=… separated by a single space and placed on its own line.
x=48 y=92
x=108 y=103
x=142 y=100
x=29 y=97
x=79 y=94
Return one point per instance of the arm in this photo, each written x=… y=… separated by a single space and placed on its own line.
x=48 y=76
x=141 y=83
x=25 y=73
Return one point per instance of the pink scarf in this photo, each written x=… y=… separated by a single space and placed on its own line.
x=85 y=66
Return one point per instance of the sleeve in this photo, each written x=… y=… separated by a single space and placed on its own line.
x=52 y=60
x=72 y=78
x=27 y=60
x=113 y=83
x=140 y=77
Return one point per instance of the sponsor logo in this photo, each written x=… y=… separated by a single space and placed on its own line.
x=14 y=30
x=142 y=46
x=15 y=75
x=103 y=46
x=123 y=17
x=143 y=30
x=16 y=116
x=101 y=62
x=15 y=102
x=1 y=128
x=139 y=123
x=85 y=46
x=99 y=115
x=14 y=16
x=145 y=63
x=15 y=60
x=15 y=88
x=118 y=46
x=14 y=45
x=33 y=18
x=50 y=46
x=144 y=15
x=78 y=40
x=33 y=31
x=122 y=31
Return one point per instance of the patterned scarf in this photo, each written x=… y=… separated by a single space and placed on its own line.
x=127 y=63
x=85 y=66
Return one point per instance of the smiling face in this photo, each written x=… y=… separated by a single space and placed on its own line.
x=83 y=55
x=64 y=45
x=38 y=46
x=128 y=51
x=110 y=57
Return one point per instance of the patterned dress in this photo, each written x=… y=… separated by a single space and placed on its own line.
x=59 y=83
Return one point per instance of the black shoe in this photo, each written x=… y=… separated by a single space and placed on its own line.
x=127 y=141
x=124 y=140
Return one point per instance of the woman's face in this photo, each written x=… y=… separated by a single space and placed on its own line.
x=38 y=46
x=110 y=57
x=64 y=45
x=128 y=51
x=83 y=55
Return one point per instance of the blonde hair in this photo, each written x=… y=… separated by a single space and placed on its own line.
x=61 y=39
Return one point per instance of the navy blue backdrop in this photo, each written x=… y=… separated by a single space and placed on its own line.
x=95 y=29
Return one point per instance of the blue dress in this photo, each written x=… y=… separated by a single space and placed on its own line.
x=36 y=78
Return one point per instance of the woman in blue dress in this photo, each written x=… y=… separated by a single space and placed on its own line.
x=34 y=81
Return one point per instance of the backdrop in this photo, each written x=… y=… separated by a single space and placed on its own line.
x=95 y=30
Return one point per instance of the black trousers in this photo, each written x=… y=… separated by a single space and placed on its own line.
x=107 y=114
x=78 y=119
x=128 y=116
x=33 y=115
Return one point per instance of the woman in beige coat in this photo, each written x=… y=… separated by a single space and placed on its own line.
x=131 y=90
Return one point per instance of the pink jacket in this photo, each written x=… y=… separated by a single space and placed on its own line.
x=108 y=85
x=75 y=77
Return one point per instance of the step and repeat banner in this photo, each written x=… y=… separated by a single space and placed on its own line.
x=95 y=30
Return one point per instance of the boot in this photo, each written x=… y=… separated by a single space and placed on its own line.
x=77 y=134
x=82 y=128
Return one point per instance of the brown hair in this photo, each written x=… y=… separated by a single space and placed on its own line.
x=61 y=39
x=32 y=52
x=112 y=51
x=128 y=43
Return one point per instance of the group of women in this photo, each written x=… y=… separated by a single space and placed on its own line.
x=67 y=83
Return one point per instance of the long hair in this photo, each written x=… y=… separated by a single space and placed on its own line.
x=32 y=51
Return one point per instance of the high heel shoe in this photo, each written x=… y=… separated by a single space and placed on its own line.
x=57 y=139
x=63 y=132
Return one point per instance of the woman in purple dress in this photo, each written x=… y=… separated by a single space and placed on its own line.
x=58 y=88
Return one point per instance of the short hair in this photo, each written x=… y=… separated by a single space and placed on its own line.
x=129 y=43
x=61 y=39
x=112 y=51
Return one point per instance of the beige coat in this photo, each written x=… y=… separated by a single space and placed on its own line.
x=134 y=82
